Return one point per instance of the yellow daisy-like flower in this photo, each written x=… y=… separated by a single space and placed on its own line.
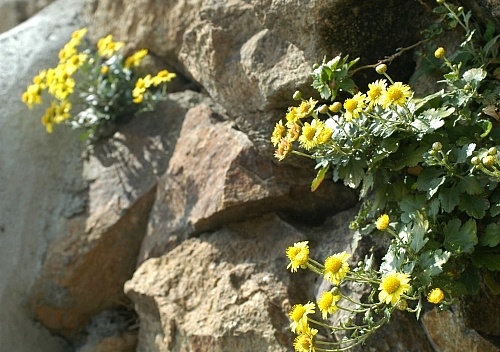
x=294 y=131
x=397 y=94
x=104 y=69
x=327 y=304
x=106 y=47
x=62 y=112
x=382 y=222
x=393 y=286
x=435 y=296
x=79 y=34
x=75 y=62
x=305 y=341
x=324 y=135
x=162 y=77
x=136 y=58
x=305 y=108
x=140 y=88
x=375 y=91
x=298 y=314
x=278 y=133
x=291 y=115
x=48 y=118
x=66 y=52
x=336 y=267
x=32 y=95
x=354 y=106
x=298 y=255
x=284 y=148
x=312 y=134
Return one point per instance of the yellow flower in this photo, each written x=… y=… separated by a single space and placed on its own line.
x=298 y=255
x=62 y=112
x=354 y=106
x=138 y=99
x=298 y=314
x=66 y=52
x=435 y=296
x=284 y=148
x=382 y=222
x=324 y=135
x=291 y=115
x=327 y=304
x=336 y=267
x=162 y=77
x=141 y=85
x=278 y=133
x=136 y=58
x=397 y=94
x=305 y=341
x=305 y=108
x=79 y=34
x=75 y=62
x=32 y=95
x=48 y=118
x=104 y=69
x=335 y=107
x=311 y=133
x=440 y=53
x=294 y=131
x=393 y=286
x=106 y=47
x=375 y=91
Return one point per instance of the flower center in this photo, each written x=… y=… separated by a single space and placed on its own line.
x=350 y=105
x=325 y=301
x=394 y=93
x=298 y=313
x=391 y=284
x=333 y=265
x=309 y=132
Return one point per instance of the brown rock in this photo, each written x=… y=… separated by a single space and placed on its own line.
x=84 y=272
x=216 y=177
x=447 y=333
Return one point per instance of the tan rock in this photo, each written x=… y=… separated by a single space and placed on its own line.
x=447 y=333
x=216 y=177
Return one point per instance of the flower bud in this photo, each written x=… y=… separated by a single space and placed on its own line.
x=335 y=107
x=475 y=161
x=460 y=9
x=440 y=1
x=488 y=160
x=323 y=109
x=432 y=152
x=381 y=69
x=401 y=305
x=297 y=95
x=492 y=151
x=437 y=146
x=439 y=53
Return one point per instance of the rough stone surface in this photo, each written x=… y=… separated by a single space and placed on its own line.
x=224 y=291
x=447 y=333
x=15 y=12
x=102 y=241
x=38 y=173
x=222 y=179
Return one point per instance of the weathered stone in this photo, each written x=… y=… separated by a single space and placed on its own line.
x=15 y=12
x=447 y=333
x=216 y=177
x=102 y=243
x=225 y=291
x=39 y=174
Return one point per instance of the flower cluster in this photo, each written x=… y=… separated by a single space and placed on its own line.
x=102 y=86
x=427 y=170
x=394 y=290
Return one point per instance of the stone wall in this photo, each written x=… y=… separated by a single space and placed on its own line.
x=170 y=235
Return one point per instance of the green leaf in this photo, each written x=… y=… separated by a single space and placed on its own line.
x=490 y=261
x=460 y=238
x=429 y=180
x=474 y=75
x=319 y=178
x=491 y=235
x=470 y=185
x=474 y=206
x=417 y=233
x=449 y=198
x=432 y=263
x=490 y=281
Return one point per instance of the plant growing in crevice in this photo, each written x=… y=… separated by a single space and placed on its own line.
x=427 y=169
x=92 y=89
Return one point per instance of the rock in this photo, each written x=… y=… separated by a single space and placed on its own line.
x=225 y=291
x=447 y=333
x=15 y=12
x=101 y=243
x=220 y=179
x=39 y=174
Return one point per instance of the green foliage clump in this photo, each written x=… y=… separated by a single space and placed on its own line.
x=427 y=170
